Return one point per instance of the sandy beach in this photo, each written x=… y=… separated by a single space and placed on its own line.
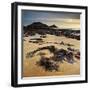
x=31 y=69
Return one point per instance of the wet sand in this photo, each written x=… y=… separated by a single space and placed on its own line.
x=30 y=69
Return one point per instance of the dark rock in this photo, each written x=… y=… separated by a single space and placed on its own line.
x=69 y=57
x=60 y=55
x=47 y=64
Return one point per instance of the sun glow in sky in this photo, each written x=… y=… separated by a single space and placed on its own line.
x=60 y=19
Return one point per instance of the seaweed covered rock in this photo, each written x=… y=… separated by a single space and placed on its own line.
x=69 y=57
x=60 y=55
x=47 y=64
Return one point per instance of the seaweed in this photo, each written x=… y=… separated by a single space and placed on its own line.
x=47 y=64
x=59 y=55
x=69 y=57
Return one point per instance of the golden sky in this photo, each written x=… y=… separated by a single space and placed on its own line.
x=65 y=23
x=60 y=19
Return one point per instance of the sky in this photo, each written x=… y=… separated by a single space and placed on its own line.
x=60 y=19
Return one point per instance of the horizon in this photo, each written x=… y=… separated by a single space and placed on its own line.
x=56 y=26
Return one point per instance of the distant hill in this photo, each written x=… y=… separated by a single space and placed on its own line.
x=37 y=25
x=53 y=26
